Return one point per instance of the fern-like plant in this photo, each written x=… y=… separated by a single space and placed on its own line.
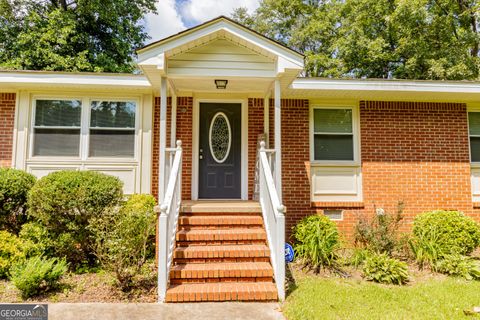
x=383 y=269
x=317 y=242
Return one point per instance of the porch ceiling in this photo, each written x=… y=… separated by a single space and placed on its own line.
x=253 y=87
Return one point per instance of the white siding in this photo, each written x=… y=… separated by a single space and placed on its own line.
x=220 y=58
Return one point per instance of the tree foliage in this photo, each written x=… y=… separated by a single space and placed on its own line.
x=405 y=39
x=72 y=35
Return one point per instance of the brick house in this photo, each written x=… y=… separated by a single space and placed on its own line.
x=259 y=147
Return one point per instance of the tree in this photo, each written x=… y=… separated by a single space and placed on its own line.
x=72 y=35
x=414 y=39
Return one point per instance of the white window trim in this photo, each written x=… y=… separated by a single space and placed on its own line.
x=355 y=130
x=86 y=101
x=474 y=166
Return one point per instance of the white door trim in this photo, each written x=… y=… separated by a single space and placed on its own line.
x=196 y=142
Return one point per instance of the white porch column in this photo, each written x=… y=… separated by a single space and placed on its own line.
x=278 y=140
x=163 y=141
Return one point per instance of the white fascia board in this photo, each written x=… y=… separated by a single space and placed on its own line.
x=40 y=78
x=386 y=85
x=276 y=49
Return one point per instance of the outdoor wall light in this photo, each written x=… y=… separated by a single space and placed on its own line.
x=221 y=84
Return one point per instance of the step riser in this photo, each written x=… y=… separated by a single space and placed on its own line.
x=217 y=243
x=215 y=280
x=221 y=237
x=220 y=275
x=217 y=260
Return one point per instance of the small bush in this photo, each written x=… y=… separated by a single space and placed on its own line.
x=38 y=235
x=383 y=269
x=123 y=237
x=459 y=266
x=14 y=187
x=12 y=250
x=379 y=233
x=426 y=248
x=317 y=242
x=64 y=202
x=359 y=256
x=453 y=231
x=37 y=274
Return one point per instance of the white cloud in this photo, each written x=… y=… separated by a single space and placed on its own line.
x=198 y=11
x=166 y=22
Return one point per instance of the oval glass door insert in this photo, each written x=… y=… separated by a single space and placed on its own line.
x=220 y=137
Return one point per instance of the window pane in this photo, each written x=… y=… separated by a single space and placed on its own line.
x=475 y=149
x=56 y=142
x=333 y=147
x=333 y=120
x=112 y=143
x=113 y=114
x=474 y=123
x=65 y=113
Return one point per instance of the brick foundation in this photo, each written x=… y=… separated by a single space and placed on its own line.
x=7 y=118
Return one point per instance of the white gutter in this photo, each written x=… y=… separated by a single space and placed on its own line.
x=386 y=85
x=78 y=79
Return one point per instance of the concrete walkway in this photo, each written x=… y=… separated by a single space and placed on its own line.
x=179 y=311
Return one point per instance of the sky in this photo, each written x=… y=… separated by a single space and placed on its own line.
x=177 y=15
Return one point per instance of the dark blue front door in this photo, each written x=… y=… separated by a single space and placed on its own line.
x=220 y=151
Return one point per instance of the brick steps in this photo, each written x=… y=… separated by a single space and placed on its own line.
x=222 y=251
x=220 y=220
x=222 y=234
x=221 y=254
x=221 y=270
x=222 y=291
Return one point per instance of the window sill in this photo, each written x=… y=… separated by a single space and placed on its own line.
x=317 y=163
x=339 y=204
x=476 y=205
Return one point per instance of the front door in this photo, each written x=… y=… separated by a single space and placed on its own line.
x=220 y=151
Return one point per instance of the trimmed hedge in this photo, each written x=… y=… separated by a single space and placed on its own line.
x=453 y=232
x=14 y=187
x=64 y=202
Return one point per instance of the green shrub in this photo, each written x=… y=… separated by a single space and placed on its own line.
x=459 y=266
x=383 y=269
x=359 y=256
x=12 y=250
x=379 y=233
x=14 y=187
x=123 y=237
x=37 y=274
x=38 y=235
x=426 y=248
x=453 y=231
x=317 y=242
x=64 y=202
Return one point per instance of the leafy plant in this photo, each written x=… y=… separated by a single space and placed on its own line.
x=122 y=237
x=379 y=267
x=37 y=274
x=359 y=256
x=379 y=233
x=317 y=242
x=14 y=187
x=64 y=202
x=12 y=250
x=440 y=233
x=37 y=234
x=460 y=266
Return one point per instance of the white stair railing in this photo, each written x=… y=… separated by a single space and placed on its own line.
x=168 y=220
x=273 y=212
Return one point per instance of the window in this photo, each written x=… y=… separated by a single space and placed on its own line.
x=112 y=129
x=105 y=130
x=57 y=128
x=474 y=131
x=333 y=134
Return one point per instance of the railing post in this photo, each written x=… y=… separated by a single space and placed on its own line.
x=162 y=253
x=280 y=218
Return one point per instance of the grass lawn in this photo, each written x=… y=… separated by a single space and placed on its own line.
x=317 y=297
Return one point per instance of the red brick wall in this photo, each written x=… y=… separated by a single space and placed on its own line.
x=183 y=132
x=416 y=153
x=7 y=118
x=255 y=128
